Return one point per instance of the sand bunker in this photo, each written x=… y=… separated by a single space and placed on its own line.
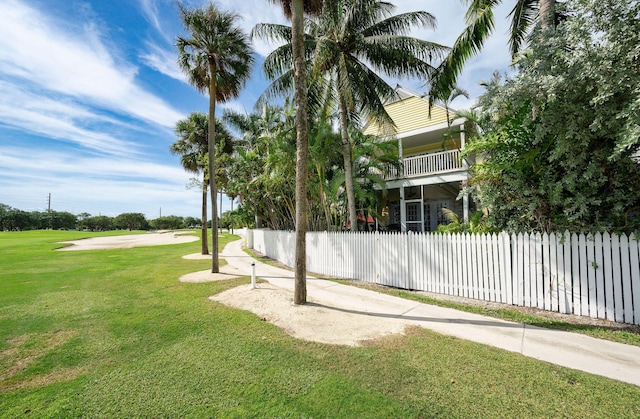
x=128 y=241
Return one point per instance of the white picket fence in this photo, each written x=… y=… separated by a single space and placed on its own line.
x=595 y=275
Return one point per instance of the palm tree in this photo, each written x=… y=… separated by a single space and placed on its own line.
x=349 y=44
x=371 y=158
x=325 y=157
x=295 y=10
x=261 y=132
x=480 y=24
x=192 y=147
x=217 y=58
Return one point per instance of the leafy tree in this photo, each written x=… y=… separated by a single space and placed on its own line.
x=217 y=59
x=5 y=212
x=190 y=222
x=559 y=138
x=170 y=222
x=131 y=221
x=99 y=223
x=238 y=218
x=12 y=219
x=62 y=220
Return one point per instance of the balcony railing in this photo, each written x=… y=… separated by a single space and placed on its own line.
x=428 y=164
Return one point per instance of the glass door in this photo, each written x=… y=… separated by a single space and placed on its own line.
x=415 y=215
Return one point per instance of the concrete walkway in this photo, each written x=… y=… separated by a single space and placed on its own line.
x=572 y=350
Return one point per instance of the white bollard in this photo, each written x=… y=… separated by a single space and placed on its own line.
x=253 y=275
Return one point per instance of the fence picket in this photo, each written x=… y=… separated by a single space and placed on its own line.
x=528 y=268
x=464 y=274
x=495 y=269
x=634 y=256
x=519 y=269
x=486 y=283
x=626 y=290
x=548 y=273
x=591 y=274
x=453 y=252
x=476 y=266
x=616 y=248
x=607 y=260
x=537 y=278
x=600 y=286
x=565 y=293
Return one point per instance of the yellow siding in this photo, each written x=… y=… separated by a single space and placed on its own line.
x=410 y=114
x=433 y=147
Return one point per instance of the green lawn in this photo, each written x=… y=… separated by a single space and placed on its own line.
x=112 y=333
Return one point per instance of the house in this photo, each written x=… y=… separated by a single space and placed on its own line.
x=432 y=170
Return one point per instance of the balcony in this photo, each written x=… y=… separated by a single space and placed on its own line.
x=428 y=164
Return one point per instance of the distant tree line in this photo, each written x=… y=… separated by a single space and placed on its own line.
x=14 y=219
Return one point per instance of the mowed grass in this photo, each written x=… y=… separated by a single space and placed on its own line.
x=112 y=333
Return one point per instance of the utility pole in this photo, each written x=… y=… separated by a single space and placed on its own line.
x=49 y=211
x=160 y=212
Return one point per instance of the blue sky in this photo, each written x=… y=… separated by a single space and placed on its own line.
x=90 y=93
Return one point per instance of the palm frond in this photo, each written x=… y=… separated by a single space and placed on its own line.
x=272 y=32
x=401 y=24
x=523 y=15
x=480 y=24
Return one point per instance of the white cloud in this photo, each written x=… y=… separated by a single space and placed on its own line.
x=252 y=13
x=57 y=119
x=164 y=61
x=12 y=160
x=80 y=183
x=35 y=50
x=150 y=12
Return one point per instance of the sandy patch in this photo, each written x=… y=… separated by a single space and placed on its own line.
x=197 y=256
x=128 y=241
x=317 y=321
x=226 y=272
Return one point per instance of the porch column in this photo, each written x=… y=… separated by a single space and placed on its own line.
x=465 y=166
x=465 y=208
x=403 y=211
x=400 y=151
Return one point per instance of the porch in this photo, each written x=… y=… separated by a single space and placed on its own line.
x=428 y=164
x=419 y=207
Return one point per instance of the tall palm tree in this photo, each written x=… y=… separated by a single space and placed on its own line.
x=480 y=24
x=192 y=147
x=217 y=58
x=348 y=45
x=295 y=10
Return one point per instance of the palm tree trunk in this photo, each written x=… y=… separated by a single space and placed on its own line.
x=205 y=240
x=323 y=195
x=211 y=141
x=325 y=207
x=547 y=13
x=302 y=145
x=348 y=167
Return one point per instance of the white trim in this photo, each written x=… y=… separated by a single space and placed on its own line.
x=457 y=176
